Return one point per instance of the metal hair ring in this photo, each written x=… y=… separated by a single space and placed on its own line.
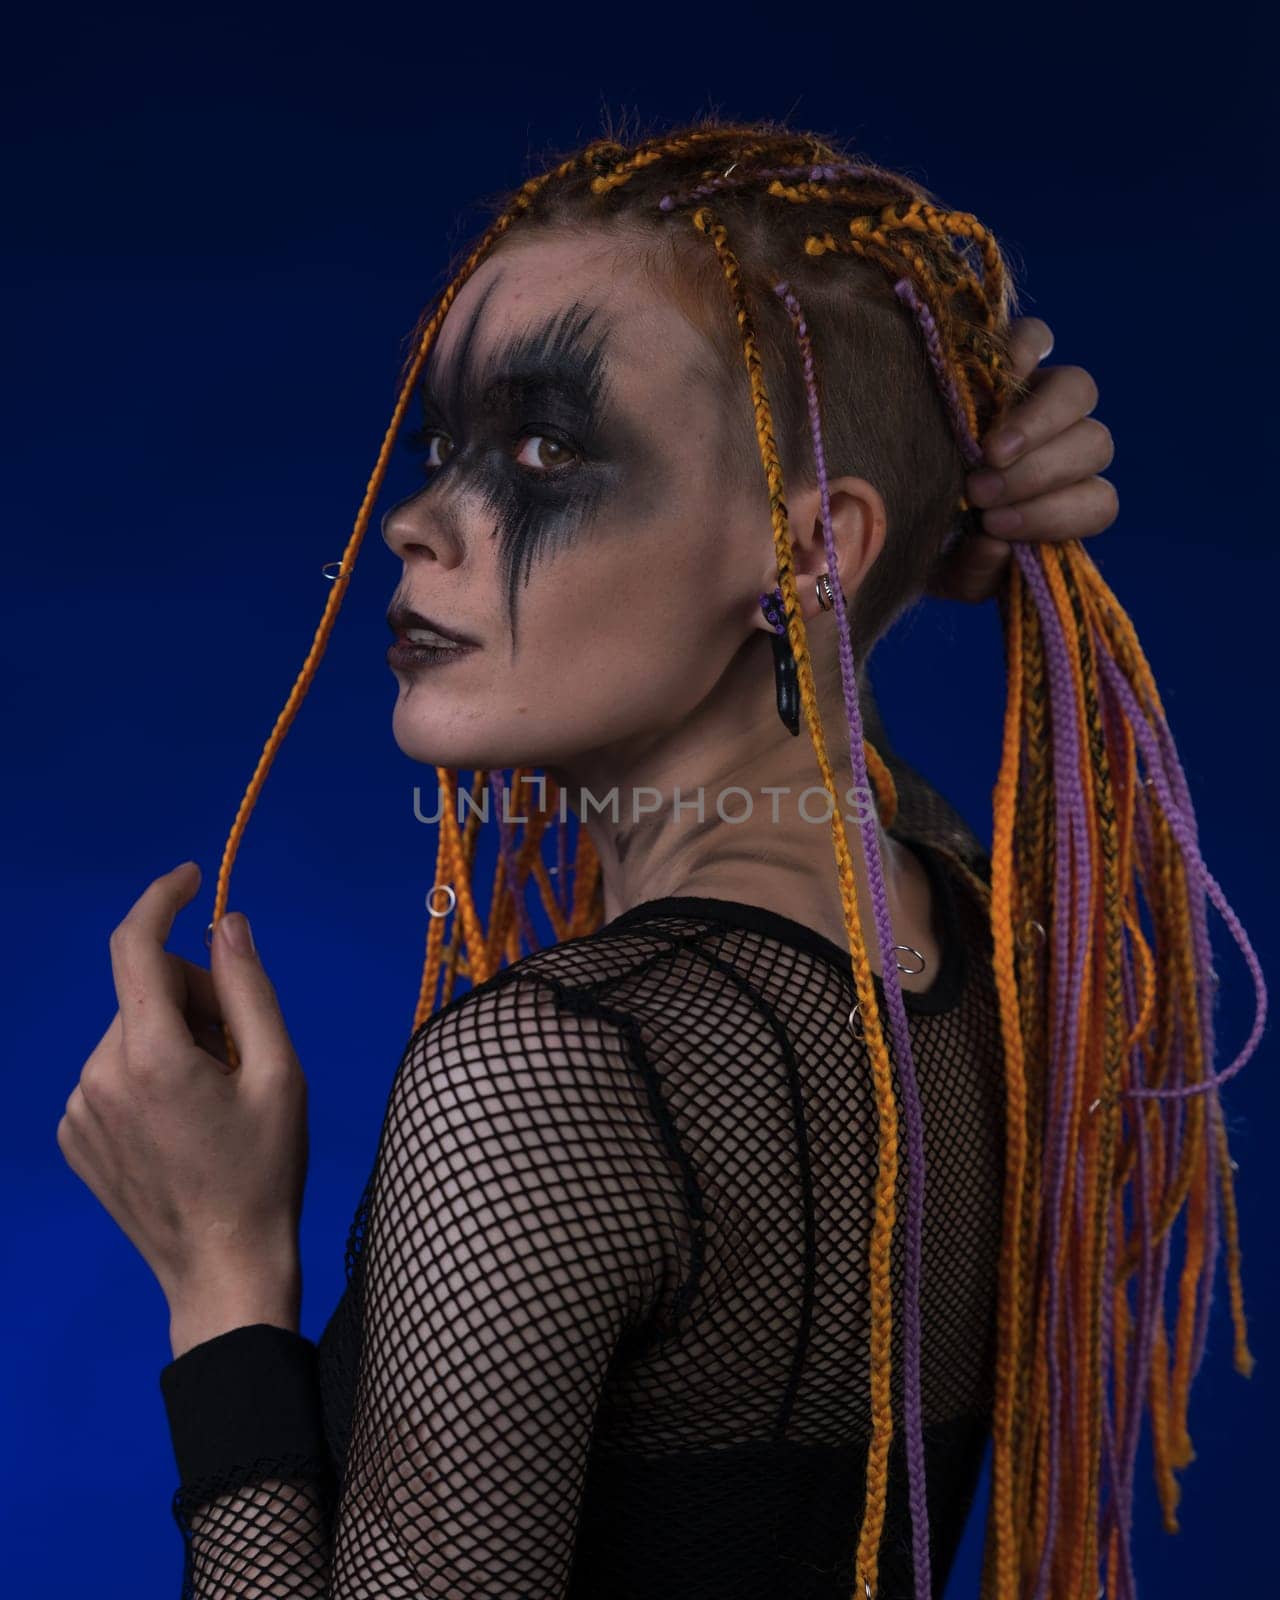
x=911 y=950
x=441 y=888
x=332 y=576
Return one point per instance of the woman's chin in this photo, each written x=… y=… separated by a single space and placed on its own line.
x=426 y=741
x=423 y=740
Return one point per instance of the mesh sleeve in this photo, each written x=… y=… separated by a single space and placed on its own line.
x=256 y=1491
x=512 y=1243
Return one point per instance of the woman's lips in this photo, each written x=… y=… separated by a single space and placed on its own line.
x=403 y=620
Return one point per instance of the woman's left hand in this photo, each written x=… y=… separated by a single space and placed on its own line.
x=201 y=1163
x=1050 y=480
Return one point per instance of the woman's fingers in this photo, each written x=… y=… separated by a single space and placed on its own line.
x=972 y=569
x=1039 y=478
x=202 y=999
x=1084 y=449
x=1059 y=397
x=1075 y=512
x=1030 y=343
x=148 y=988
x=204 y=1014
x=248 y=998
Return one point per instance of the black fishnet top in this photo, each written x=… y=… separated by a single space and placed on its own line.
x=604 y=1332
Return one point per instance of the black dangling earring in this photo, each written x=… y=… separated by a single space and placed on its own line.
x=786 y=684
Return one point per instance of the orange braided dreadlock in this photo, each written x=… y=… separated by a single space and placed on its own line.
x=1113 y=1122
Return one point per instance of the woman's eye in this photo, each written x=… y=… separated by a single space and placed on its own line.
x=537 y=453
x=547 y=456
x=424 y=441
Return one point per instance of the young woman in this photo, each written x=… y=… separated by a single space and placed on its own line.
x=702 y=1251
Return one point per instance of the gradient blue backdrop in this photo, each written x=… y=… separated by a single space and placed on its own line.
x=222 y=228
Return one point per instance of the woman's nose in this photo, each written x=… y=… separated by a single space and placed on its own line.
x=410 y=529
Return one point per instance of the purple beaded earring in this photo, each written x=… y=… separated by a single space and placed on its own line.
x=786 y=684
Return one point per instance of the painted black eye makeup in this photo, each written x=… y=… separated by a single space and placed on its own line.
x=531 y=431
x=556 y=450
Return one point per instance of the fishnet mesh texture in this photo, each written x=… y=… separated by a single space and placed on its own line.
x=605 y=1326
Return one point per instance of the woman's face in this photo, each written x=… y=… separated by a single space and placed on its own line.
x=570 y=520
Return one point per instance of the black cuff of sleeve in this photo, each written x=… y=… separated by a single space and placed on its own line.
x=246 y=1396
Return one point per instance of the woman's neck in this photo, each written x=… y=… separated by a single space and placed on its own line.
x=731 y=806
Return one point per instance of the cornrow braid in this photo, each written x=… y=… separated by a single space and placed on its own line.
x=771 y=239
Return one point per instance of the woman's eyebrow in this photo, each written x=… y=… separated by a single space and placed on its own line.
x=531 y=383
x=559 y=355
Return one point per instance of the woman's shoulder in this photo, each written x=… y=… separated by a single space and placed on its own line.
x=557 y=978
x=559 y=1010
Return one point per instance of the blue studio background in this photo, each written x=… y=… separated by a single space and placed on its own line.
x=221 y=228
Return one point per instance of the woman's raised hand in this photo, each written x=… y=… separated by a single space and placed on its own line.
x=202 y=1164
x=1041 y=485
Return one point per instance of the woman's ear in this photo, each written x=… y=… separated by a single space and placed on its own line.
x=858 y=526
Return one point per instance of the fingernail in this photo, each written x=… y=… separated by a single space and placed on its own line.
x=985 y=487
x=1006 y=444
x=237 y=932
x=1005 y=519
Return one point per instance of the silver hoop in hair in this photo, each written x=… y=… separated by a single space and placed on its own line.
x=441 y=888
